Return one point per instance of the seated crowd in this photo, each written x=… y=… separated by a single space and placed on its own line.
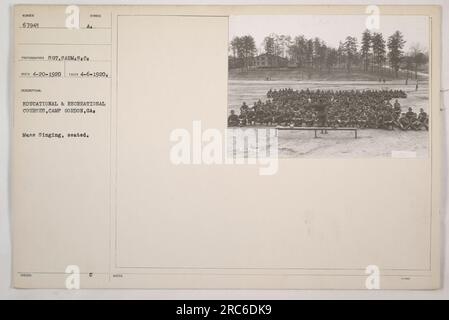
x=319 y=108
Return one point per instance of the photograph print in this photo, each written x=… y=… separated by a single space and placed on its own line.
x=330 y=86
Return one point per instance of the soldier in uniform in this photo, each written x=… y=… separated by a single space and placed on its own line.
x=243 y=118
x=309 y=119
x=388 y=120
x=260 y=114
x=233 y=120
x=379 y=120
x=268 y=117
x=298 y=119
x=372 y=120
x=343 y=120
x=411 y=116
x=322 y=115
x=251 y=117
x=331 y=120
x=397 y=107
x=244 y=108
x=423 y=119
x=404 y=122
x=366 y=108
x=363 y=120
x=352 y=121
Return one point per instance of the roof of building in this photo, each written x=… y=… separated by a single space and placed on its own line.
x=269 y=55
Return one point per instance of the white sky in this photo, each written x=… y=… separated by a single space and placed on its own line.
x=330 y=28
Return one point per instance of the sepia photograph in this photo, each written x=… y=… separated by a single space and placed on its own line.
x=332 y=85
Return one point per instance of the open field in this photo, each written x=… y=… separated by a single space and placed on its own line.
x=371 y=143
x=295 y=74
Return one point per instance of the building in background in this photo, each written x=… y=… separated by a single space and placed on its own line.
x=270 y=61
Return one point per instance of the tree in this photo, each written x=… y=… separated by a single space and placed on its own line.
x=332 y=58
x=276 y=45
x=287 y=42
x=269 y=45
x=297 y=51
x=310 y=55
x=395 y=45
x=233 y=46
x=340 y=53
x=319 y=53
x=309 y=52
x=417 y=57
x=407 y=64
x=282 y=44
x=365 y=49
x=236 y=47
x=379 y=50
x=244 y=48
x=350 y=50
x=249 y=50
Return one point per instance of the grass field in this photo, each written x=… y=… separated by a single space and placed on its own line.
x=371 y=143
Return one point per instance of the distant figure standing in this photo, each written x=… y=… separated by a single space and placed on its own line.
x=406 y=82
x=384 y=80
x=417 y=86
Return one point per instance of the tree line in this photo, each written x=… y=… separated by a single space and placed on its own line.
x=373 y=54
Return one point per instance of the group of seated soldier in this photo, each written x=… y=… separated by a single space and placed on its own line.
x=318 y=108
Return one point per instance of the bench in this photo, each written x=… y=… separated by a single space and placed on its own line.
x=319 y=129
